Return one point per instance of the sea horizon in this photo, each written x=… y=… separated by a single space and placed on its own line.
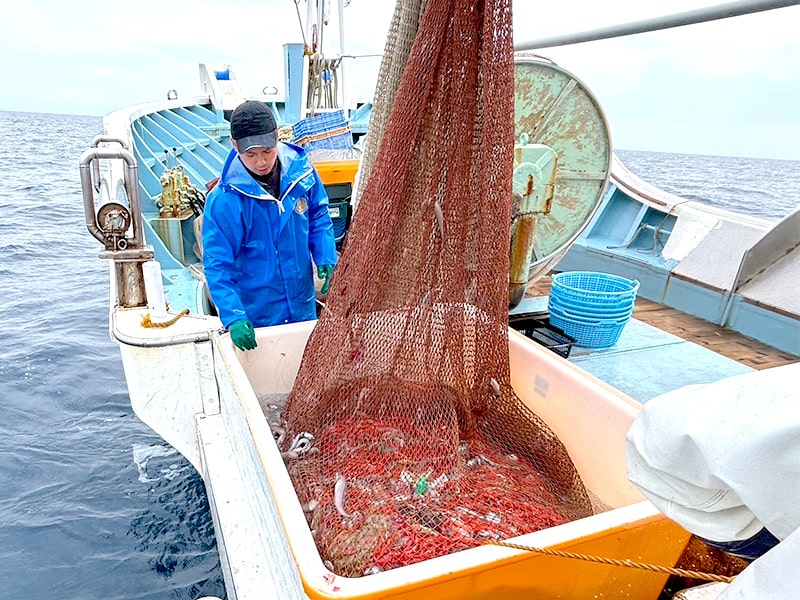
x=614 y=149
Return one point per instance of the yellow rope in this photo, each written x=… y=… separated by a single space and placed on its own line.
x=147 y=322
x=618 y=563
x=285 y=133
x=315 y=137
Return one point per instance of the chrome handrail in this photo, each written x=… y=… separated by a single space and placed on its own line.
x=91 y=182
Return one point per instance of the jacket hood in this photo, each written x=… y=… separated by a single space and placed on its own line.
x=235 y=175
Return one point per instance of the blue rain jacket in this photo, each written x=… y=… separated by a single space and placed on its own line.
x=257 y=249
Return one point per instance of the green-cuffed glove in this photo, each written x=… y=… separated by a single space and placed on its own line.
x=324 y=272
x=243 y=335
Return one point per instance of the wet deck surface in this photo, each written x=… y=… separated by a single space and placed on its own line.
x=725 y=342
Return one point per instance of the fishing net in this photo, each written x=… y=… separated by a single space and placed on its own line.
x=405 y=440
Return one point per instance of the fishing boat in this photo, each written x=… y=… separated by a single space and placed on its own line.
x=144 y=181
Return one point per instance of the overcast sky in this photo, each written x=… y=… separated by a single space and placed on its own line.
x=725 y=88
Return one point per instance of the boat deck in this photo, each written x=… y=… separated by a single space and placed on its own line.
x=723 y=341
x=662 y=349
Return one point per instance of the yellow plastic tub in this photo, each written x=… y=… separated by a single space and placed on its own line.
x=337 y=171
x=590 y=417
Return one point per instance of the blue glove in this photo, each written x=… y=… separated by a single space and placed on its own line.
x=243 y=335
x=324 y=272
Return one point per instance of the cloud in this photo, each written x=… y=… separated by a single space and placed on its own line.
x=724 y=87
x=720 y=88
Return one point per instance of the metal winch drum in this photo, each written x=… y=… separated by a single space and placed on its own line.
x=562 y=163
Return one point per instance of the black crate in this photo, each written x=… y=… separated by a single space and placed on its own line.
x=540 y=330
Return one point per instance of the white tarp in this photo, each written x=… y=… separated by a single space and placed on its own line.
x=723 y=460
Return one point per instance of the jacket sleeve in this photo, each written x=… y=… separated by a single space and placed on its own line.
x=222 y=240
x=320 y=228
x=720 y=458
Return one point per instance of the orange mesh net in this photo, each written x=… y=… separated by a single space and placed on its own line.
x=405 y=439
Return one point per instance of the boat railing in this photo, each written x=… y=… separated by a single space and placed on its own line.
x=92 y=182
x=691 y=17
x=642 y=190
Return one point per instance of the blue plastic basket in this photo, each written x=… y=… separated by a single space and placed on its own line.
x=589 y=311
x=588 y=333
x=594 y=287
x=329 y=131
x=598 y=303
x=594 y=300
x=592 y=307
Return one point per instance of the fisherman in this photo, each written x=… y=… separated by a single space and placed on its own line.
x=723 y=461
x=263 y=223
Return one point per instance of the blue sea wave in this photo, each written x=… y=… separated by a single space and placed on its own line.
x=765 y=188
x=76 y=518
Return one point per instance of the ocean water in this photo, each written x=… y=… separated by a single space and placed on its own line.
x=92 y=503
x=765 y=188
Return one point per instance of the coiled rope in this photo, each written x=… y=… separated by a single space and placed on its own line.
x=147 y=322
x=323 y=82
x=618 y=563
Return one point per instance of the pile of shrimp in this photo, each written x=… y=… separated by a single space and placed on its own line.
x=393 y=503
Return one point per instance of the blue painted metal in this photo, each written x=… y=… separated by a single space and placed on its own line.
x=652 y=278
x=626 y=237
x=162 y=253
x=612 y=243
x=293 y=60
x=761 y=323
x=695 y=299
x=359 y=119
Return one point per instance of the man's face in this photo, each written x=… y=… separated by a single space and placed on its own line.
x=259 y=160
